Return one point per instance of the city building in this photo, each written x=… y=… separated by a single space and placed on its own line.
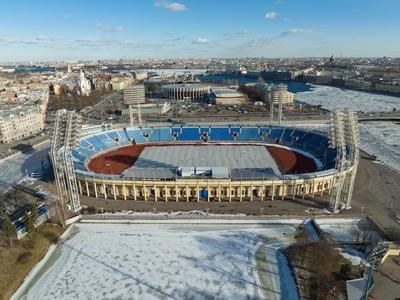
x=120 y=83
x=20 y=122
x=149 y=109
x=186 y=91
x=85 y=86
x=134 y=94
x=278 y=93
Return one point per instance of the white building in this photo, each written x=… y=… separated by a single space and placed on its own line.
x=19 y=123
x=277 y=93
x=149 y=109
x=85 y=85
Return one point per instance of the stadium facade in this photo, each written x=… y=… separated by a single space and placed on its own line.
x=185 y=91
x=169 y=176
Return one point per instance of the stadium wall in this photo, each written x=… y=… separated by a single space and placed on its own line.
x=224 y=190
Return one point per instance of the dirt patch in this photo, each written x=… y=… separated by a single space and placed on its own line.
x=17 y=261
x=320 y=270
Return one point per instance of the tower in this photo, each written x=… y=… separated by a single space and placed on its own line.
x=344 y=136
x=65 y=135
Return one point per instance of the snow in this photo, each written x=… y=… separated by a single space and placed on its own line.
x=191 y=213
x=354 y=256
x=149 y=261
x=383 y=140
x=345 y=230
x=332 y=98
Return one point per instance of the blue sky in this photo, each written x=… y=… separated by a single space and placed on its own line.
x=71 y=30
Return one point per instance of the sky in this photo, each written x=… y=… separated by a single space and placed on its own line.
x=83 y=30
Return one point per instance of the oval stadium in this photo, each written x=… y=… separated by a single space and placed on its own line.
x=204 y=163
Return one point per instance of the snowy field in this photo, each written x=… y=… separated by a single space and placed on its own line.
x=383 y=140
x=332 y=97
x=347 y=230
x=148 y=261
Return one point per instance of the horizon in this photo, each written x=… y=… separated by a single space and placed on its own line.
x=99 y=30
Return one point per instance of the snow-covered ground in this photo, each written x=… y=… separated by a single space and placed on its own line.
x=354 y=256
x=332 y=97
x=383 y=140
x=148 y=261
x=347 y=230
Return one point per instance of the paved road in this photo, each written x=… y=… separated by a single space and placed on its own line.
x=14 y=169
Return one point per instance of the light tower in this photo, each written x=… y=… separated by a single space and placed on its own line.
x=344 y=136
x=353 y=155
x=65 y=136
x=337 y=140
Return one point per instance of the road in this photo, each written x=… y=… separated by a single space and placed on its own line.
x=14 y=169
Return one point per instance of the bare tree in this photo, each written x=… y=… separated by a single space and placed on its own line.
x=10 y=230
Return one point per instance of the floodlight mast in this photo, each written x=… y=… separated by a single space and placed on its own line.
x=353 y=157
x=336 y=139
x=65 y=136
x=344 y=136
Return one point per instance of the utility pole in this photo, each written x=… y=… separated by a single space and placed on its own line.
x=130 y=115
x=139 y=112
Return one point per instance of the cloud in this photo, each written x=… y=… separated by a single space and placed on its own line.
x=109 y=28
x=268 y=42
x=176 y=39
x=93 y=42
x=172 y=6
x=271 y=15
x=295 y=31
x=4 y=41
x=41 y=39
x=83 y=24
x=201 y=40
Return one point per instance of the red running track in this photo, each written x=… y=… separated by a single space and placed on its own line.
x=117 y=160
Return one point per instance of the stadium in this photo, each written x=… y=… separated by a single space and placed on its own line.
x=205 y=163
